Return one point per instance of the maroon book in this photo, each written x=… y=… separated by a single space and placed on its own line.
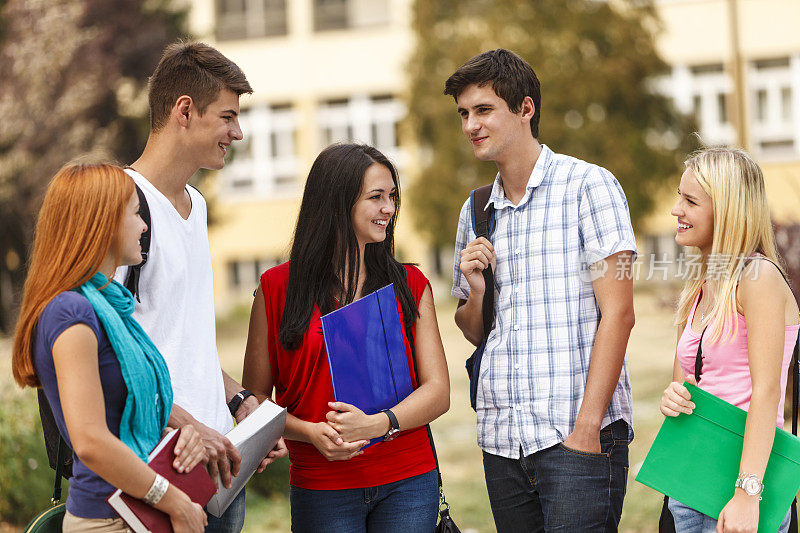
x=197 y=484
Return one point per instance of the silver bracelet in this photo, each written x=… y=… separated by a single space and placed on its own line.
x=157 y=490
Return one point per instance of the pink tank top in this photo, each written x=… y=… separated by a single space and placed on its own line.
x=726 y=373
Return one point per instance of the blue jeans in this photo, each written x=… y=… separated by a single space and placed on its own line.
x=232 y=520
x=407 y=505
x=687 y=520
x=560 y=489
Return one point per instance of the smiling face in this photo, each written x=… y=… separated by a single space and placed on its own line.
x=131 y=227
x=375 y=205
x=695 y=212
x=490 y=126
x=212 y=132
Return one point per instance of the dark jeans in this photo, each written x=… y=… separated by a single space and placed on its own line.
x=407 y=505
x=560 y=489
x=232 y=520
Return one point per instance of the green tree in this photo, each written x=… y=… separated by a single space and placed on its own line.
x=74 y=77
x=596 y=62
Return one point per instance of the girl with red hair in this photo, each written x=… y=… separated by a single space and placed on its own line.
x=106 y=383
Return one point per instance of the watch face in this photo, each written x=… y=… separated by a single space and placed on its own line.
x=752 y=486
x=391 y=435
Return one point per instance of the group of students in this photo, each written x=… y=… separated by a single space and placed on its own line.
x=554 y=408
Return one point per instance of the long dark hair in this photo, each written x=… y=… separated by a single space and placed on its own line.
x=325 y=250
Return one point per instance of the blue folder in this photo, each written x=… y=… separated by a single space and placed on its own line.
x=367 y=353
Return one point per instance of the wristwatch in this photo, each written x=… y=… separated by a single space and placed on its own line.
x=750 y=484
x=394 y=430
x=237 y=400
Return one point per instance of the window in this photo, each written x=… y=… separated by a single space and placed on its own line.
x=713 y=68
x=774 y=131
x=341 y=14
x=248 y=19
x=786 y=104
x=697 y=107
x=244 y=274
x=775 y=63
x=777 y=148
x=373 y=120
x=708 y=87
x=722 y=108
x=770 y=103
x=265 y=162
x=282 y=144
x=761 y=105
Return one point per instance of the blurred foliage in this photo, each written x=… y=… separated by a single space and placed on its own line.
x=74 y=82
x=595 y=61
x=271 y=482
x=26 y=480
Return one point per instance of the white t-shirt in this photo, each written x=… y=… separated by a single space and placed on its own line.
x=176 y=289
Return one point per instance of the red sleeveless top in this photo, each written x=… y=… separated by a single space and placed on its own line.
x=302 y=381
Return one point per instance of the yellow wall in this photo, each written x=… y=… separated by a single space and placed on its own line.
x=783 y=194
x=697 y=31
x=304 y=68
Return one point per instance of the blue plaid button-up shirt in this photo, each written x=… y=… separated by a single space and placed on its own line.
x=534 y=370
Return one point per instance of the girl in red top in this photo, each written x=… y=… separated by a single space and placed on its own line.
x=343 y=249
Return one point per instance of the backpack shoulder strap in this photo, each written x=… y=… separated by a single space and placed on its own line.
x=483 y=226
x=134 y=272
x=59 y=455
x=196 y=190
x=482 y=219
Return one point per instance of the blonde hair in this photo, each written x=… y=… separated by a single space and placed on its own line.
x=742 y=227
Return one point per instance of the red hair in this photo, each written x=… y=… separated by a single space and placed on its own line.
x=77 y=226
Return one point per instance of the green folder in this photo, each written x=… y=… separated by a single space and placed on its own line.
x=695 y=460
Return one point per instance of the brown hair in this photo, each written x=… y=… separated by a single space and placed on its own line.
x=196 y=70
x=77 y=226
x=511 y=77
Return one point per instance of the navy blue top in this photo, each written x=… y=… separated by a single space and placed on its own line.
x=87 y=491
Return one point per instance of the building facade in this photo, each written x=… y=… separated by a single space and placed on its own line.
x=697 y=42
x=322 y=71
x=334 y=70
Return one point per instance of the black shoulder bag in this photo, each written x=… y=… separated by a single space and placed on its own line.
x=482 y=222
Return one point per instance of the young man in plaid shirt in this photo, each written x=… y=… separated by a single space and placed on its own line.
x=553 y=395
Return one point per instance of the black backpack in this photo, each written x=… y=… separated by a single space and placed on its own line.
x=52 y=438
x=135 y=271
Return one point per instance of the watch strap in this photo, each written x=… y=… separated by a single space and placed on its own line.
x=395 y=425
x=237 y=400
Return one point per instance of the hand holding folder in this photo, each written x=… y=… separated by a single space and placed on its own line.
x=367 y=353
x=695 y=460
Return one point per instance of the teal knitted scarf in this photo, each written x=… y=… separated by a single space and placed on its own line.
x=149 y=401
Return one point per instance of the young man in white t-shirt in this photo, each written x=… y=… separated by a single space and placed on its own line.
x=194 y=107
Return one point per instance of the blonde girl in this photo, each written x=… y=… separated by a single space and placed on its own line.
x=741 y=309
